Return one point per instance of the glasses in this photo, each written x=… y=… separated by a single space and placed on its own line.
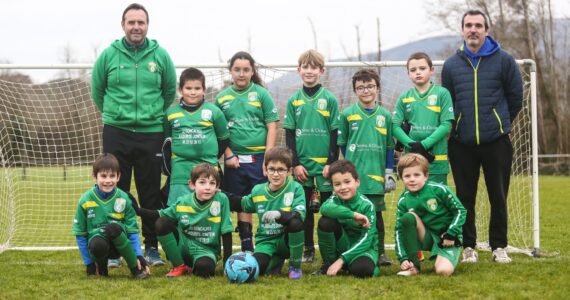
x=362 y=88
x=276 y=171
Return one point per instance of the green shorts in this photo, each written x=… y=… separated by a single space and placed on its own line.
x=378 y=200
x=277 y=246
x=321 y=183
x=431 y=243
x=438 y=178
x=192 y=250
x=343 y=245
x=177 y=191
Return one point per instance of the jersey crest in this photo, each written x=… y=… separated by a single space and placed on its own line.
x=206 y=115
x=322 y=104
x=152 y=67
x=120 y=205
x=432 y=204
x=432 y=100
x=252 y=96
x=288 y=198
x=380 y=121
x=215 y=209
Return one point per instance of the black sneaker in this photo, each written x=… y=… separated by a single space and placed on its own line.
x=103 y=269
x=139 y=274
x=383 y=260
x=322 y=270
x=309 y=255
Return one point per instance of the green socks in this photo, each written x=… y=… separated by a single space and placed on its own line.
x=170 y=247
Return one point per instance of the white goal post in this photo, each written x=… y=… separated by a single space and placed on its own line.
x=50 y=134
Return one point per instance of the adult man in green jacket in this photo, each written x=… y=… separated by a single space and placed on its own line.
x=133 y=83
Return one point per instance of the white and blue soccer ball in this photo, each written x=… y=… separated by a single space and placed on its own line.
x=241 y=267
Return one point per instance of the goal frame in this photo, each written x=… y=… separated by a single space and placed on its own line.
x=527 y=63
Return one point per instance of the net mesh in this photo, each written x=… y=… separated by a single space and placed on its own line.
x=50 y=134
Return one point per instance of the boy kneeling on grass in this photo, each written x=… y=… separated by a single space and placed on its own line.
x=105 y=223
x=429 y=217
x=190 y=229
x=347 y=229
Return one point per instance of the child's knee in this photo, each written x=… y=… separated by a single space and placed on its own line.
x=408 y=220
x=164 y=226
x=295 y=225
x=204 y=267
x=444 y=268
x=328 y=224
x=99 y=247
x=113 y=230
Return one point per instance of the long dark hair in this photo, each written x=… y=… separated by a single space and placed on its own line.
x=244 y=55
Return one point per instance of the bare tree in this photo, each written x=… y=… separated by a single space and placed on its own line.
x=314 y=31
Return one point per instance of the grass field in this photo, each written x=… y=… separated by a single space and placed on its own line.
x=60 y=274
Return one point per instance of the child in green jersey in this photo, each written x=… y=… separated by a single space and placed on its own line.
x=311 y=123
x=365 y=138
x=105 y=224
x=347 y=228
x=280 y=206
x=428 y=111
x=190 y=229
x=429 y=217
x=197 y=129
x=252 y=122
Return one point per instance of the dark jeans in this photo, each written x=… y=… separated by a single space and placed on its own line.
x=496 y=159
x=139 y=152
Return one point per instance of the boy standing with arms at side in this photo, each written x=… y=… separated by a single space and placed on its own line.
x=310 y=125
x=428 y=110
x=365 y=138
x=105 y=224
x=429 y=217
x=198 y=131
x=347 y=229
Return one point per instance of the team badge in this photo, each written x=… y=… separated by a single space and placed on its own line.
x=432 y=100
x=252 y=96
x=380 y=121
x=206 y=115
x=352 y=147
x=432 y=204
x=322 y=104
x=120 y=205
x=152 y=67
x=215 y=209
x=288 y=199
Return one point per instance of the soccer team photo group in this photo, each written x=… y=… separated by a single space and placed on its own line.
x=192 y=183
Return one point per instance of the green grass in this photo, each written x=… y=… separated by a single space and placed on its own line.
x=60 y=274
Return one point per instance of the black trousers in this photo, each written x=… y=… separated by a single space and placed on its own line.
x=496 y=159
x=140 y=152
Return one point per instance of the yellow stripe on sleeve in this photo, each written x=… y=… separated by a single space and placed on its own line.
x=409 y=99
x=383 y=131
x=441 y=157
x=207 y=124
x=256 y=148
x=259 y=199
x=354 y=117
x=225 y=98
x=325 y=113
x=298 y=102
x=255 y=103
x=186 y=209
x=215 y=219
x=88 y=204
x=376 y=177
x=118 y=216
x=434 y=108
x=320 y=160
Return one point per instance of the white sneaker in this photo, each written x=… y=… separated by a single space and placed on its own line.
x=409 y=272
x=470 y=255
x=500 y=256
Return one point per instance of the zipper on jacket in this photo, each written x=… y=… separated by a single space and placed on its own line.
x=136 y=96
x=476 y=94
x=498 y=119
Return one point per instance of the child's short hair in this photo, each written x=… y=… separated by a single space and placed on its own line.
x=418 y=56
x=365 y=75
x=413 y=160
x=343 y=166
x=192 y=74
x=313 y=58
x=279 y=154
x=106 y=162
x=205 y=170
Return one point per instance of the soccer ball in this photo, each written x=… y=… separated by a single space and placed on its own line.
x=241 y=267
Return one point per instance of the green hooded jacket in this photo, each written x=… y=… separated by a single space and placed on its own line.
x=133 y=86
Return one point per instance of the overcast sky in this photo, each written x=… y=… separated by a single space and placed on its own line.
x=36 y=32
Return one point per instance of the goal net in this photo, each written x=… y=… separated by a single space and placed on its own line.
x=50 y=134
